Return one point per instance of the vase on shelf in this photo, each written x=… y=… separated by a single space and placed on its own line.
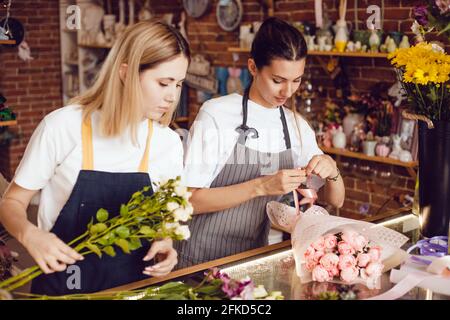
x=339 y=139
x=350 y=121
x=382 y=148
x=369 y=147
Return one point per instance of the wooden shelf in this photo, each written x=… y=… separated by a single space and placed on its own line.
x=327 y=53
x=362 y=156
x=70 y=30
x=8 y=123
x=94 y=46
x=7 y=41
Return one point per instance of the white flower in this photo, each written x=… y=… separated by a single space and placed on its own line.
x=260 y=292
x=171 y=206
x=180 y=191
x=181 y=214
x=189 y=209
x=188 y=195
x=416 y=29
x=172 y=225
x=437 y=48
x=183 y=231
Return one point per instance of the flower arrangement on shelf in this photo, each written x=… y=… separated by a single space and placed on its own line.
x=345 y=255
x=424 y=72
x=144 y=217
x=6 y=114
x=433 y=16
x=216 y=285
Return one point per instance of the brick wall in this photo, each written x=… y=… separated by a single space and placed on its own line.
x=34 y=89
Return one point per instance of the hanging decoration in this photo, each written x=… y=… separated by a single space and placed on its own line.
x=229 y=14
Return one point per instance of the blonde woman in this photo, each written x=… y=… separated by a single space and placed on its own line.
x=95 y=153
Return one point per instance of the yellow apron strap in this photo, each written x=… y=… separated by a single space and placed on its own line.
x=143 y=167
x=88 y=153
x=86 y=142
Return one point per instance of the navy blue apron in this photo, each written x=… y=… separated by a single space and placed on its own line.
x=94 y=190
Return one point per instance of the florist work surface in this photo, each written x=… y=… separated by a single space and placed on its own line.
x=273 y=267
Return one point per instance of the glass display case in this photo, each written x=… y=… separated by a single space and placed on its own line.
x=274 y=267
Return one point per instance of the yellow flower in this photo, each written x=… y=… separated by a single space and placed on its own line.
x=422 y=64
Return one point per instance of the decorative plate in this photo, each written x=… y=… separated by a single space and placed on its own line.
x=196 y=8
x=229 y=14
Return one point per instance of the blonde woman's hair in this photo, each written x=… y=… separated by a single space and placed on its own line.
x=142 y=46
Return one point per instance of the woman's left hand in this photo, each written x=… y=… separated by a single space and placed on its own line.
x=322 y=165
x=165 y=249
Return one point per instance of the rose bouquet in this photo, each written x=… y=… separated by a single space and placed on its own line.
x=144 y=217
x=330 y=248
x=216 y=285
x=345 y=255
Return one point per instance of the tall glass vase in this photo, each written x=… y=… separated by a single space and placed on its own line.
x=434 y=172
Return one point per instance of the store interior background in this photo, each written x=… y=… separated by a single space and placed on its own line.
x=35 y=88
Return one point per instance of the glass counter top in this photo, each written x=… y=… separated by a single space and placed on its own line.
x=274 y=268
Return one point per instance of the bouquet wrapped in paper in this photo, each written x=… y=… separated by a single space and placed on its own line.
x=331 y=248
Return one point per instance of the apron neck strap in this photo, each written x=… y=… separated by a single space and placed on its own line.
x=88 y=150
x=243 y=128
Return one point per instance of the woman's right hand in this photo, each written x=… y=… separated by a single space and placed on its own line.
x=49 y=252
x=280 y=183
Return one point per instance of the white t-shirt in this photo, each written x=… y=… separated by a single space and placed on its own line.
x=212 y=137
x=53 y=157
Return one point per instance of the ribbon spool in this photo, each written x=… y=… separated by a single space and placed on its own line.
x=435 y=247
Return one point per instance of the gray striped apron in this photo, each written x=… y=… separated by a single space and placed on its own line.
x=219 y=234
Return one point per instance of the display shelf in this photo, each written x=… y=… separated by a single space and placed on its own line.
x=7 y=42
x=8 y=123
x=327 y=53
x=362 y=156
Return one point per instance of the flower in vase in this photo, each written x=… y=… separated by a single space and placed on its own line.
x=421 y=15
x=443 y=5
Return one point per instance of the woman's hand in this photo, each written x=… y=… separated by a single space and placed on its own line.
x=283 y=182
x=164 y=249
x=49 y=252
x=322 y=165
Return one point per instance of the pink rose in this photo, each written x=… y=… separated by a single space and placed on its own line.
x=329 y=261
x=345 y=248
x=319 y=244
x=363 y=259
x=374 y=269
x=309 y=252
x=360 y=242
x=346 y=261
x=310 y=264
x=333 y=272
x=349 y=274
x=330 y=241
x=349 y=236
x=318 y=255
x=375 y=253
x=320 y=274
x=363 y=274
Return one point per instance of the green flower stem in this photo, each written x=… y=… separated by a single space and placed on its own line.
x=18 y=277
x=24 y=281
